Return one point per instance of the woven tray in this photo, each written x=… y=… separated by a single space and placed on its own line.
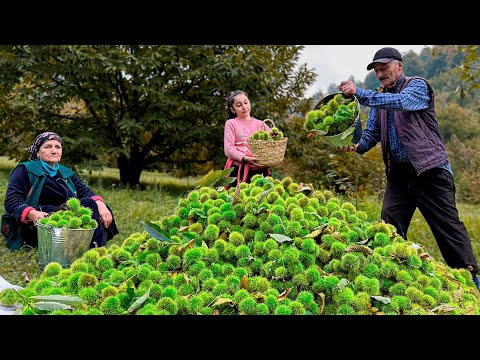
x=268 y=153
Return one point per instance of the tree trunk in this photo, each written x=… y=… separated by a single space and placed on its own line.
x=130 y=170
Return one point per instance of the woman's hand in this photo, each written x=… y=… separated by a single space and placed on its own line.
x=105 y=214
x=35 y=215
x=252 y=160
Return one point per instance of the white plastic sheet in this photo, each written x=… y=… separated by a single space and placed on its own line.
x=4 y=284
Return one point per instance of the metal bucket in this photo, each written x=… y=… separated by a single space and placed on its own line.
x=61 y=245
x=350 y=136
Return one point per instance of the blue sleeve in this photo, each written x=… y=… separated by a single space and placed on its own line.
x=17 y=191
x=414 y=97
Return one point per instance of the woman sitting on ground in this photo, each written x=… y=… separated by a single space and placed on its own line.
x=41 y=186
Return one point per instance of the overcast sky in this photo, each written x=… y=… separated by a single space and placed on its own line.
x=334 y=63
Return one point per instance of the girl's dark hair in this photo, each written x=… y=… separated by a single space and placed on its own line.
x=230 y=97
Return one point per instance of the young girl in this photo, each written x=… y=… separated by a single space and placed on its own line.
x=240 y=125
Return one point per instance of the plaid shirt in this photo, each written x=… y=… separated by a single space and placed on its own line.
x=414 y=97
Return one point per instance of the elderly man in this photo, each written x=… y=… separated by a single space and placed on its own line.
x=402 y=118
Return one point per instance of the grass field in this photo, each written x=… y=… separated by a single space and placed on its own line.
x=132 y=206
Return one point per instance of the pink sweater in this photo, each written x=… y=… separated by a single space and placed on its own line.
x=235 y=137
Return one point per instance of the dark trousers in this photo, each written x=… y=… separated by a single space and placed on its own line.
x=433 y=192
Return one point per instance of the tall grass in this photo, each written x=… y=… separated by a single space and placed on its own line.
x=159 y=198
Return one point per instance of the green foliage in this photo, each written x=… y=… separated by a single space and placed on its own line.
x=163 y=114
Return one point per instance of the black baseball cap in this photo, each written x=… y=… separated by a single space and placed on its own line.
x=385 y=55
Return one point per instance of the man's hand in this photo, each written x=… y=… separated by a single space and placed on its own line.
x=350 y=148
x=348 y=88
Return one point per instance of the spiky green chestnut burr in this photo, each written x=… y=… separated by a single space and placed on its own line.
x=389 y=269
x=290 y=254
x=111 y=306
x=209 y=284
x=283 y=310
x=296 y=308
x=9 y=297
x=211 y=233
x=232 y=282
x=220 y=245
x=195 y=268
x=310 y=247
x=415 y=295
x=89 y=294
x=345 y=310
x=205 y=274
x=173 y=262
x=230 y=251
x=104 y=263
x=236 y=238
x=350 y=263
x=87 y=280
x=219 y=289
x=404 y=276
x=52 y=269
x=109 y=290
x=242 y=252
x=73 y=204
x=240 y=295
x=192 y=255
x=167 y=304
x=259 y=284
x=344 y=296
x=169 y=292
x=193 y=195
x=300 y=280
x=248 y=306
x=312 y=274
x=401 y=303
x=337 y=249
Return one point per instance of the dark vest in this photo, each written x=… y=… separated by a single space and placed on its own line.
x=418 y=132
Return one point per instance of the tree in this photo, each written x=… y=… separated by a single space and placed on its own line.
x=142 y=105
x=471 y=66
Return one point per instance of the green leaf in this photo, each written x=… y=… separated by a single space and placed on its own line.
x=188 y=236
x=65 y=299
x=138 y=303
x=280 y=238
x=216 y=178
x=155 y=231
x=51 y=306
x=341 y=285
x=263 y=194
x=361 y=235
x=200 y=212
x=347 y=132
x=382 y=299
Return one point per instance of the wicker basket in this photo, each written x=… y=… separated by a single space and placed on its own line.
x=350 y=136
x=268 y=153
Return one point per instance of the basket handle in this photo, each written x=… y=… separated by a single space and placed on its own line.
x=265 y=122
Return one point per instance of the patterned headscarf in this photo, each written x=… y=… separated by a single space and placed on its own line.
x=40 y=140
